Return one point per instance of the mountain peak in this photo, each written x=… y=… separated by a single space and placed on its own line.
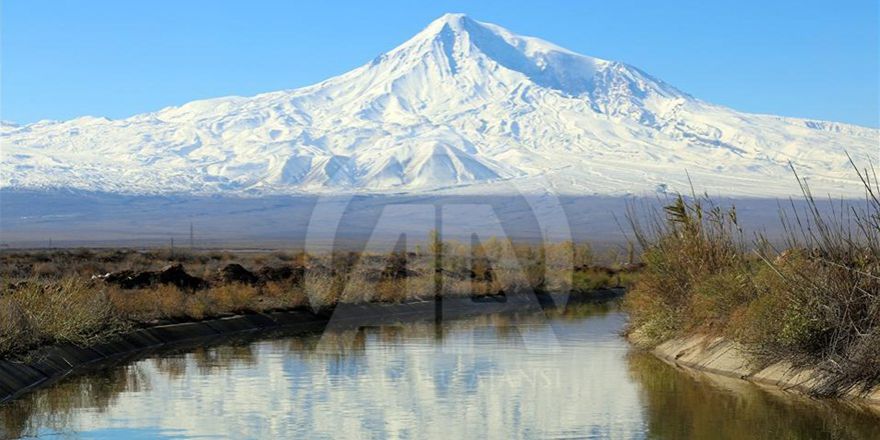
x=455 y=43
x=462 y=104
x=449 y=25
x=461 y=24
x=452 y=19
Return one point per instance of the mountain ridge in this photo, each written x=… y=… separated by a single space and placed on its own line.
x=462 y=106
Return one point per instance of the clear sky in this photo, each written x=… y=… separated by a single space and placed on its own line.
x=63 y=59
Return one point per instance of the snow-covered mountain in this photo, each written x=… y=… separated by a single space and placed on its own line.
x=463 y=106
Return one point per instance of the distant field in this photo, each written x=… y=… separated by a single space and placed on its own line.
x=85 y=295
x=71 y=219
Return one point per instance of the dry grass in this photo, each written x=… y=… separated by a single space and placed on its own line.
x=815 y=303
x=170 y=302
x=50 y=296
x=68 y=311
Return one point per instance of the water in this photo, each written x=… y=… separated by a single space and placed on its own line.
x=563 y=375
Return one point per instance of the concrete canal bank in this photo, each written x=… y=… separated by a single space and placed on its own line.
x=717 y=355
x=48 y=365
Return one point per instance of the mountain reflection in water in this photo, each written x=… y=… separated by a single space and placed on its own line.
x=554 y=375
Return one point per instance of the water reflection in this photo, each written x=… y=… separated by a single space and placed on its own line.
x=682 y=404
x=564 y=375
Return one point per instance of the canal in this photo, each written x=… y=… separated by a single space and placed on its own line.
x=553 y=375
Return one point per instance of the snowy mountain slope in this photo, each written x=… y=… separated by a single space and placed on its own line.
x=463 y=106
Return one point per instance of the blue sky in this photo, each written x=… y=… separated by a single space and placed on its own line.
x=63 y=59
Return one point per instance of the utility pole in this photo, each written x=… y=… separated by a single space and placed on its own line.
x=172 y=247
x=191 y=238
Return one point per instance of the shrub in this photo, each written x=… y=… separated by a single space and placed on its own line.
x=816 y=303
x=234 y=297
x=588 y=281
x=69 y=310
x=322 y=290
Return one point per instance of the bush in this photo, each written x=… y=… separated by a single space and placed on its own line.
x=69 y=310
x=582 y=282
x=816 y=303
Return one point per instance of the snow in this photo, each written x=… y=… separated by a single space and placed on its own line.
x=462 y=107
